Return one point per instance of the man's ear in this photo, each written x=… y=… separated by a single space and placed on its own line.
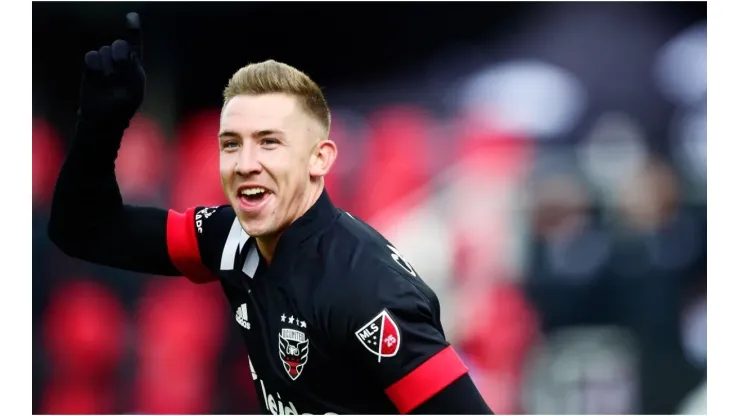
x=322 y=158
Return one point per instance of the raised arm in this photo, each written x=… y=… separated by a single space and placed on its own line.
x=89 y=220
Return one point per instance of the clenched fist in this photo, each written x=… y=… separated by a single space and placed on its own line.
x=114 y=80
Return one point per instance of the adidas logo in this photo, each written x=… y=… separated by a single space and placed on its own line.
x=241 y=316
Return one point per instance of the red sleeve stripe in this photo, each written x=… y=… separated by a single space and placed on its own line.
x=426 y=380
x=182 y=245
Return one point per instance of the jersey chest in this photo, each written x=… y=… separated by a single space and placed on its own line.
x=283 y=337
x=294 y=363
x=297 y=366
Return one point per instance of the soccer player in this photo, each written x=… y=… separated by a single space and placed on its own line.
x=334 y=319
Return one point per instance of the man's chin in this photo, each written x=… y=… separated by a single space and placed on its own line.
x=257 y=227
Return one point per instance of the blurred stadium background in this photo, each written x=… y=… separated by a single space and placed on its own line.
x=543 y=166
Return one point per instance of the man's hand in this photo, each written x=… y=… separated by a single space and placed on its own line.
x=114 y=80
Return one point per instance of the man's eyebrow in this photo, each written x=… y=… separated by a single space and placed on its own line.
x=229 y=134
x=257 y=134
x=269 y=132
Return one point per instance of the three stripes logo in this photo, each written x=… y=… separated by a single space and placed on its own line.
x=242 y=317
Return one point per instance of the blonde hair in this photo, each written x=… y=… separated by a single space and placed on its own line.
x=276 y=77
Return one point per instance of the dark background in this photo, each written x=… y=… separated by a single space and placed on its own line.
x=345 y=46
x=568 y=328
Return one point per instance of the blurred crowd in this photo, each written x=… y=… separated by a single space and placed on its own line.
x=561 y=225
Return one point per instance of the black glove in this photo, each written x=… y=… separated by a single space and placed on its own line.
x=114 y=81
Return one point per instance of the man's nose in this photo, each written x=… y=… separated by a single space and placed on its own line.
x=248 y=163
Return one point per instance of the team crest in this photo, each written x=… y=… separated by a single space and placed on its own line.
x=380 y=336
x=293 y=351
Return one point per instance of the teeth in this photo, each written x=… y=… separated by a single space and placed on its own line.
x=253 y=191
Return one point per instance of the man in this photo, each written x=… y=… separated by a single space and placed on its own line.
x=335 y=320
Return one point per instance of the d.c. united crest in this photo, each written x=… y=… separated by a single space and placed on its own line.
x=293 y=351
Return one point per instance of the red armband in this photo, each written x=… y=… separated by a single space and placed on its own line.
x=426 y=380
x=182 y=245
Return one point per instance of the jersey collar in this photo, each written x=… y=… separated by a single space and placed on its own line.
x=318 y=217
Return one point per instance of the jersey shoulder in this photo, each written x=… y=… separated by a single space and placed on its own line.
x=359 y=246
x=192 y=239
x=213 y=226
x=212 y=218
x=367 y=276
x=360 y=260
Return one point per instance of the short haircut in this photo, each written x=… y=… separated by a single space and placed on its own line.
x=276 y=77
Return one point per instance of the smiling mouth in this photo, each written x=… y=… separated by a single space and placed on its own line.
x=252 y=197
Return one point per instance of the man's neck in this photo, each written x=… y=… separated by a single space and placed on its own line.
x=267 y=244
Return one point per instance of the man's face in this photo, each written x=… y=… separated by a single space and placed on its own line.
x=266 y=143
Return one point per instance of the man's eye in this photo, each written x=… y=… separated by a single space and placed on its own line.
x=230 y=145
x=269 y=142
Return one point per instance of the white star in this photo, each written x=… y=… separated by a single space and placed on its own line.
x=303 y=324
x=282 y=318
x=291 y=319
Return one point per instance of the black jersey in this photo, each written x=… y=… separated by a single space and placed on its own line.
x=339 y=322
